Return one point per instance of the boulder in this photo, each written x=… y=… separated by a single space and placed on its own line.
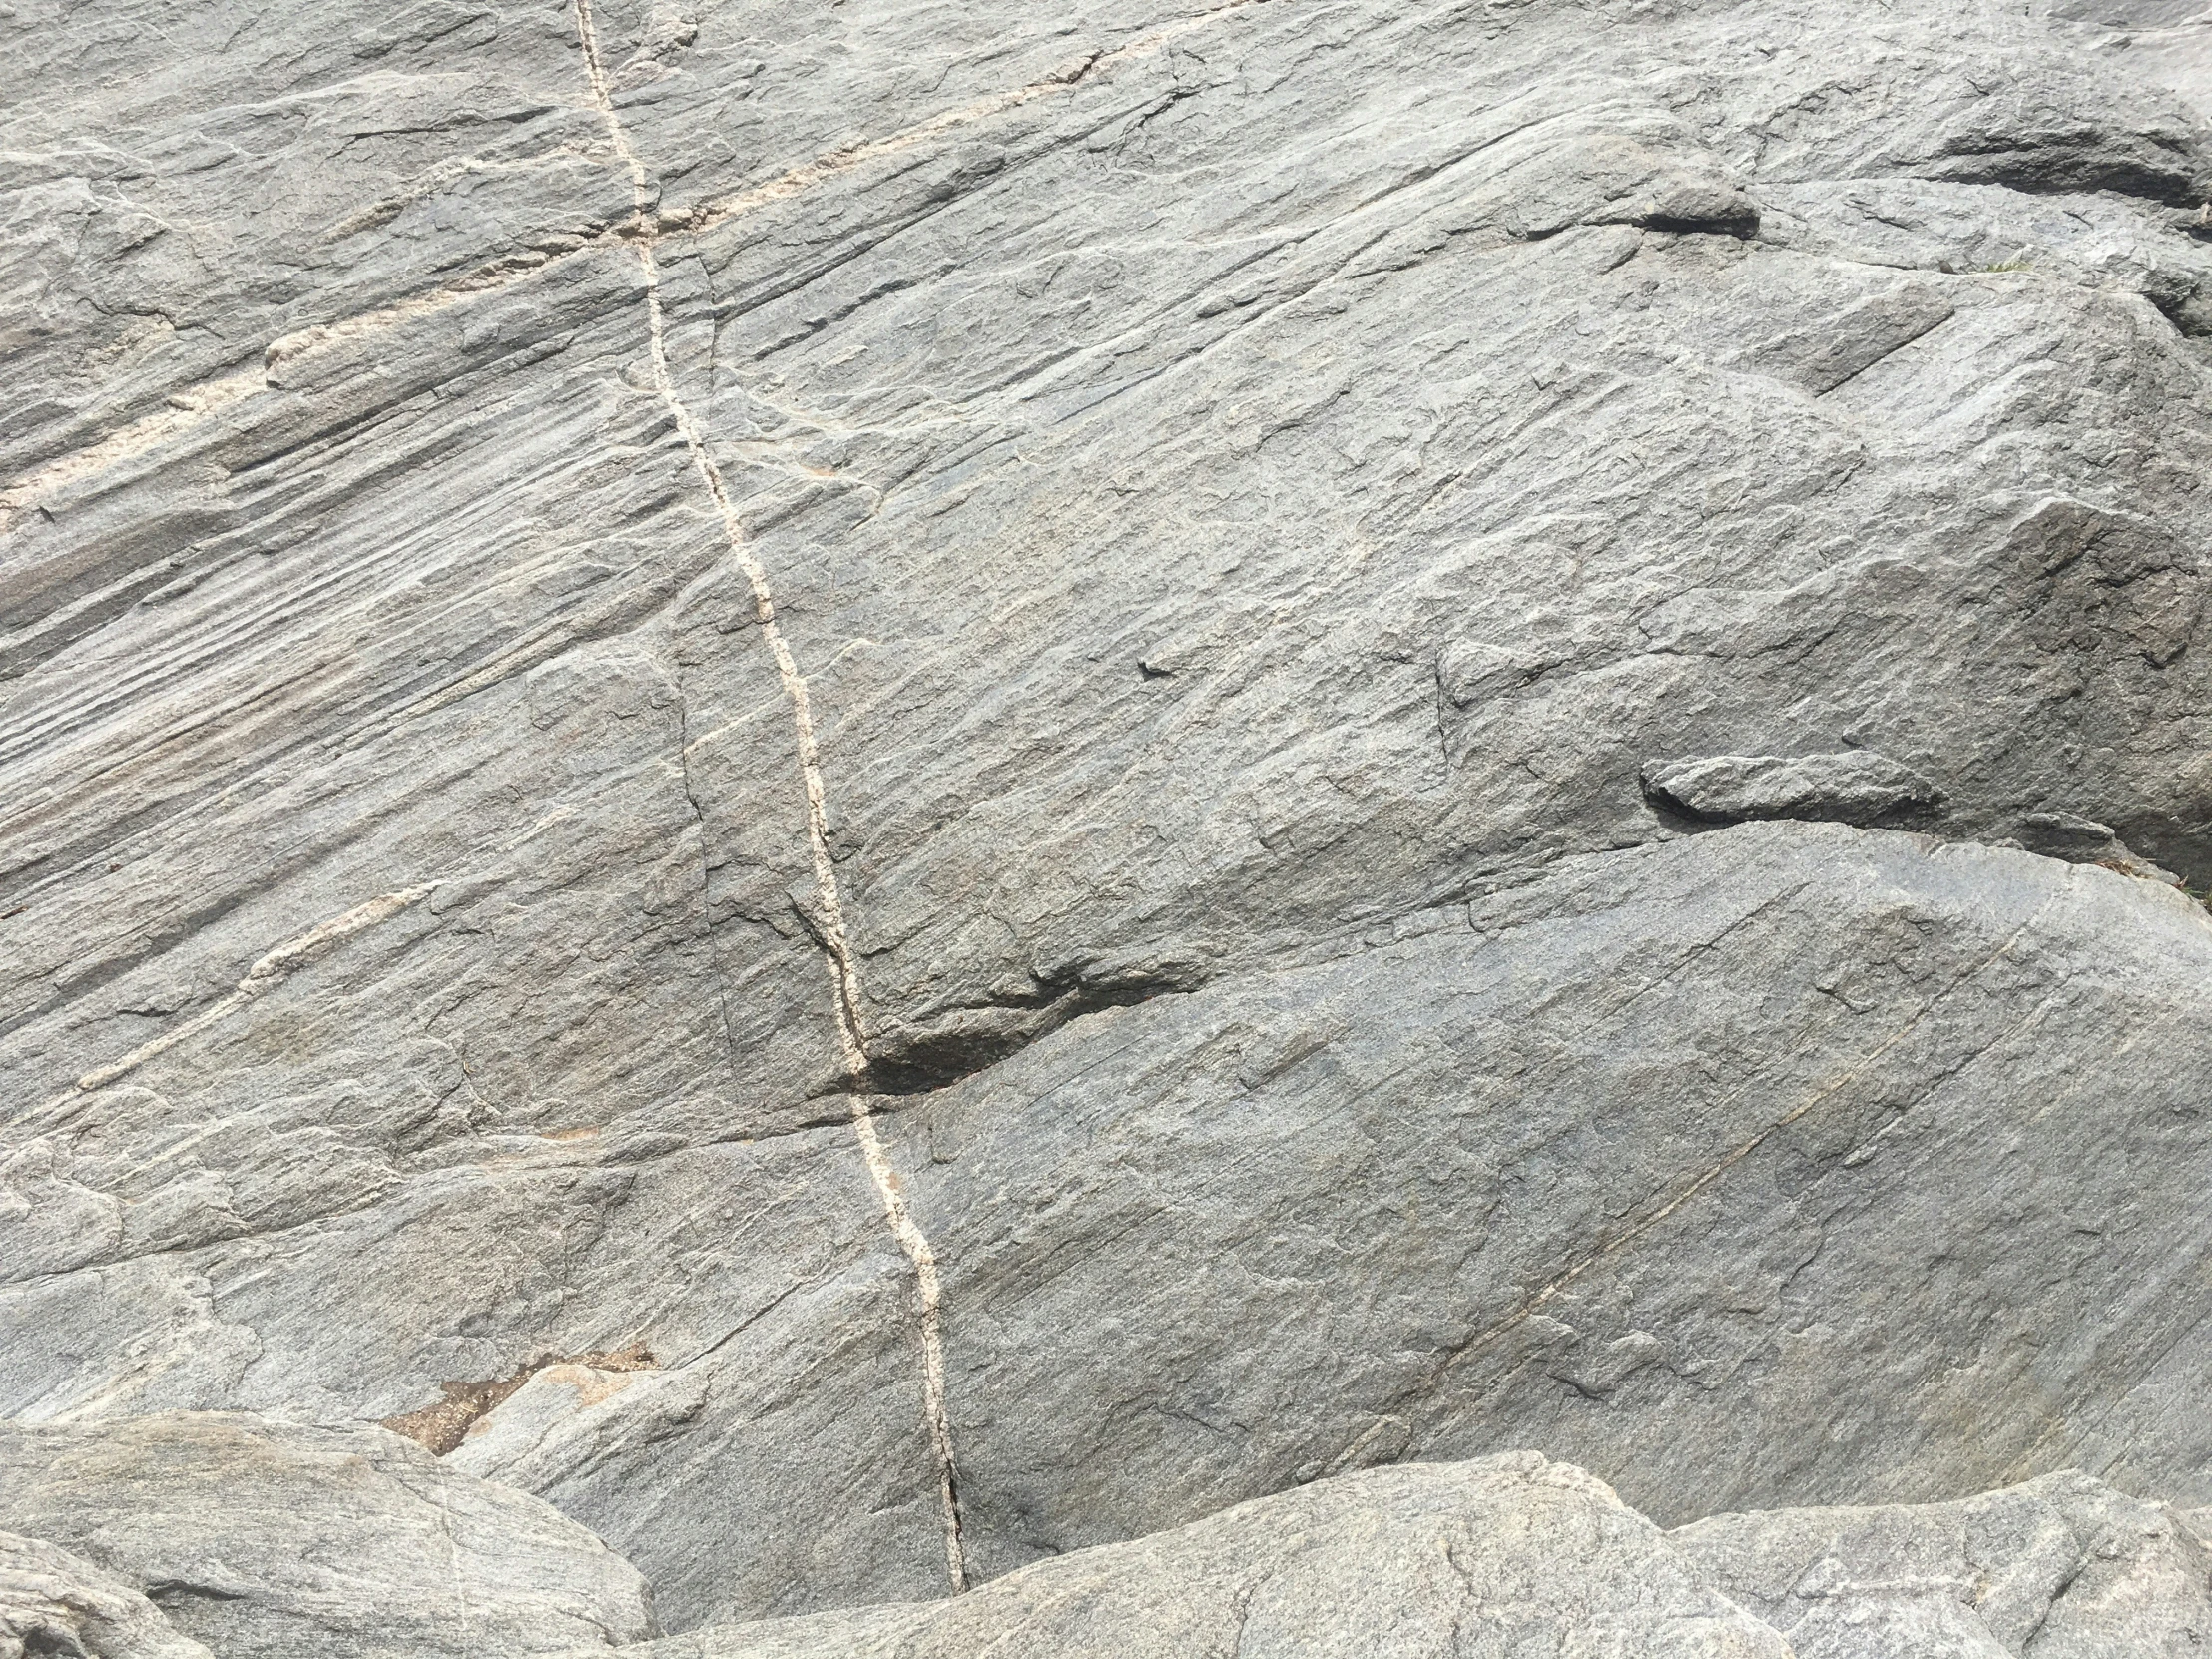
x=1508 y=1555
x=53 y=1603
x=1512 y=1554
x=271 y=1540
x=2064 y=1567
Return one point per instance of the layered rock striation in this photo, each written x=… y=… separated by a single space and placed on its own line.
x=886 y=793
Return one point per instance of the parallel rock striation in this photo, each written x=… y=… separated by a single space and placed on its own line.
x=885 y=790
x=268 y=1541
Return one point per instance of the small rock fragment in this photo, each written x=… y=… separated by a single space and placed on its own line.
x=1854 y=787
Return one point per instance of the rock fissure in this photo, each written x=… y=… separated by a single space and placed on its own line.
x=1327 y=532
x=838 y=952
x=706 y=866
x=926 y=1060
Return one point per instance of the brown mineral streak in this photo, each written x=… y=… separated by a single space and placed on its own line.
x=444 y=1427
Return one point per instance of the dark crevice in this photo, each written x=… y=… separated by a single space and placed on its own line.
x=170 y=1592
x=1741 y=223
x=922 y=1063
x=2059 y=171
x=1681 y=816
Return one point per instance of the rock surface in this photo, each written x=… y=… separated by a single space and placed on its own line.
x=886 y=788
x=1513 y=1555
x=54 y=1603
x=1653 y=1162
x=2064 y=1567
x=1477 y=1560
x=1850 y=788
x=267 y=1541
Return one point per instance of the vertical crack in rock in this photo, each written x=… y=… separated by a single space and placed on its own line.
x=453 y=1574
x=705 y=873
x=837 y=952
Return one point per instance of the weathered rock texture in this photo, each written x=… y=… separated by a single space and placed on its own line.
x=1495 y=1557
x=2063 y=1567
x=55 y=1603
x=1513 y=1555
x=883 y=789
x=267 y=1541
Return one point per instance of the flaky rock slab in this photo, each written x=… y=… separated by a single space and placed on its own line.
x=270 y=1540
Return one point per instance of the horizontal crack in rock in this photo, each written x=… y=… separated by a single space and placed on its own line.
x=922 y=1060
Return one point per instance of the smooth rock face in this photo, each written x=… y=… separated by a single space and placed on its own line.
x=971 y=723
x=268 y=1541
x=1481 y=1560
x=2063 y=1567
x=55 y=1603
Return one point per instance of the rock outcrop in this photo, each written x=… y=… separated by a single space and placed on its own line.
x=268 y=1541
x=53 y=1603
x=1508 y=1555
x=2063 y=1567
x=1472 y=1558
x=881 y=791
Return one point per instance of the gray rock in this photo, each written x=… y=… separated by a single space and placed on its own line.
x=1855 y=787
x=2083 y=841
x=265 y=1540
x=54 y=1603
x=1507 y=1556
x=2063 y=1567
x=1513 y=1554
x=2165 y=42
x=576 y=584
x=1656 y=1162
x=1656 y=1159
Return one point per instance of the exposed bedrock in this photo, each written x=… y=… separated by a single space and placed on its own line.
x=881 y=790
x=269 y=1540
x=1781 y=1163
x=1500 y=1557
x=1470 y=1560
x=53 y=1602
x=2061 y=1565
